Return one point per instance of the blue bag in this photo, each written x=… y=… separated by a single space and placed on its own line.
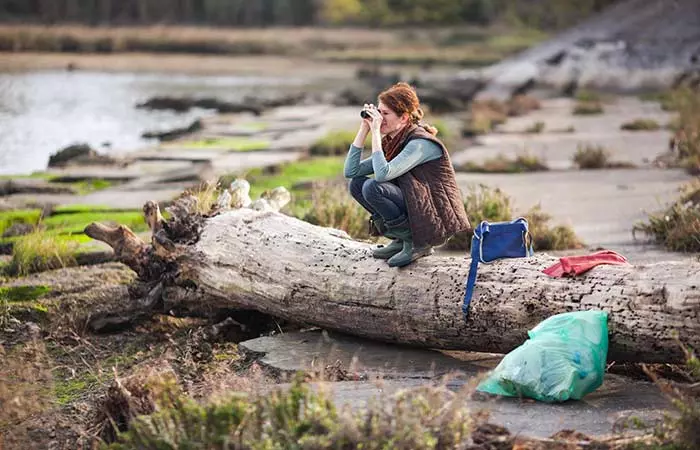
x=492 y=241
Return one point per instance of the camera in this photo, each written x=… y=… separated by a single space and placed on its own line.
x=364 y=114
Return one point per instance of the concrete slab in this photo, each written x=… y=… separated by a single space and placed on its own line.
x=557 y=148
x=391 y=368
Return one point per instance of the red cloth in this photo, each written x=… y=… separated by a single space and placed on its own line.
x=576 y=265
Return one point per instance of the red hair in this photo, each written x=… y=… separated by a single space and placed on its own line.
x=402 y=99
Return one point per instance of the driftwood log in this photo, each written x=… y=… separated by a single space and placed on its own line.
x=275 y=264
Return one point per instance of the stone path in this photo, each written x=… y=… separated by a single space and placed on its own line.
x=385 y=369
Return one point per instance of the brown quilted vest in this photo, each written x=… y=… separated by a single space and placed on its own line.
x=433 y=199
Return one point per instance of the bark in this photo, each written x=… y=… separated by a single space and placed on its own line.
x=278 y=265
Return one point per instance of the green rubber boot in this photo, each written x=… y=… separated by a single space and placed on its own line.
x=387 y=251
x=409 y=254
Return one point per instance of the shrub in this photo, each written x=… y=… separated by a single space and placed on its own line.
x=584 y=95
x=545 y=237
x=481 y=203
x=591 y=157
x=522 y=104
x=305 y=418
x=332 y=206
x=536 y=128
x=687 y=135
x=588 y=108
x=524 y=162
x=40 y=251
x=484 y=203
x=333 y=143
x=677 y=228
x=484 y=116
x=641 y=124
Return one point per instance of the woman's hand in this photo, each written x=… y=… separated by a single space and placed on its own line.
x=375 y=118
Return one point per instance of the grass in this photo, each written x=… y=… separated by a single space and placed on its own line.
x=588 y=108
x=39 y=251
x=301 y=417
x=485 y=115
x=23 y=293
x=333 y=143
x=641 y=125
x=687 y=135
x=440 y=45
x=23 y=216
x=231 y=144
x=296 y=176
x=493 y=205
x=678 y=227
x=597 y=157
x=535 y=128
x=501 y=164
x=332 y=206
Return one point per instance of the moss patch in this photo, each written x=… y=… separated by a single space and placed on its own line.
x=295 y=176
x=23 y=293
x=333 y=143
x=25 y=216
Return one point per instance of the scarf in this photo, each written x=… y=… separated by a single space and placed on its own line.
x=393 y=146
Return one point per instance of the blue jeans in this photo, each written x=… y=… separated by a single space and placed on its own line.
x=379 y=199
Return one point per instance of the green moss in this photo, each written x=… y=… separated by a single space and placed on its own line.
x=28 y=216
x=23 y=293
x=67 y=390
x=75 y=222
x=333 y=143
x=293 y=175
x=232 y=144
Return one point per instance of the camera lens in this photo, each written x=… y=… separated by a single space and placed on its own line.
x=364 y=114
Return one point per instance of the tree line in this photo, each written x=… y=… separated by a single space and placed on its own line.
x=544 y=14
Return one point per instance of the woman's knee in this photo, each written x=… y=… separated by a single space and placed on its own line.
x=355 y=186
x=371 y=189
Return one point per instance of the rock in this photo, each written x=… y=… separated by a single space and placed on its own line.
x=185 y=104
x=174 y=133
x=18 y=229
x=79 y=154
x=32 y=186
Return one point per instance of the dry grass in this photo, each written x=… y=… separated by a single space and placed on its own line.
x=597 y=157
x=678 y=227
x=334 y=207
x=182 y=39
x=333 y=143
x=485 y=115
x=522 y=163
x=641 y=125
x=39 y=251
x=427 y=417
x=588 y=108
x=493 y=205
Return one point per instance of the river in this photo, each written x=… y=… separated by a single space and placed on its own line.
x=41 y=112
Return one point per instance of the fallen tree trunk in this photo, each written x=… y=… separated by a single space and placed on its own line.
x=275 y=264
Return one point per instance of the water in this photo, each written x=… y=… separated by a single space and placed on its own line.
x=42 y=112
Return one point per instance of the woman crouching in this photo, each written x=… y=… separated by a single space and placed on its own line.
x=413 y=197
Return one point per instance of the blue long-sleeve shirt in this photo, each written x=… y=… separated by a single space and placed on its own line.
x=417 y=151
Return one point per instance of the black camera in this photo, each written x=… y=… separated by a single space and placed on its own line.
x=364 y=114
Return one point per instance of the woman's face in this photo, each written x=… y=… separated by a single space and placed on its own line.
x=392 y=122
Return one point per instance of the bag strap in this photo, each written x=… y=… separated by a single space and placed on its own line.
x=471 y=279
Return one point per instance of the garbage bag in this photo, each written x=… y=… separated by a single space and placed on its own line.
x=563 y=359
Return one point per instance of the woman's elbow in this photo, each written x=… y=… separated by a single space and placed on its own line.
x=381 y=177
x=349 y=173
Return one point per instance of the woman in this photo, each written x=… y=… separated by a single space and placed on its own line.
x=413 y=197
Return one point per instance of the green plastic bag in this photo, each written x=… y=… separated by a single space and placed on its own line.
x=563 y=359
